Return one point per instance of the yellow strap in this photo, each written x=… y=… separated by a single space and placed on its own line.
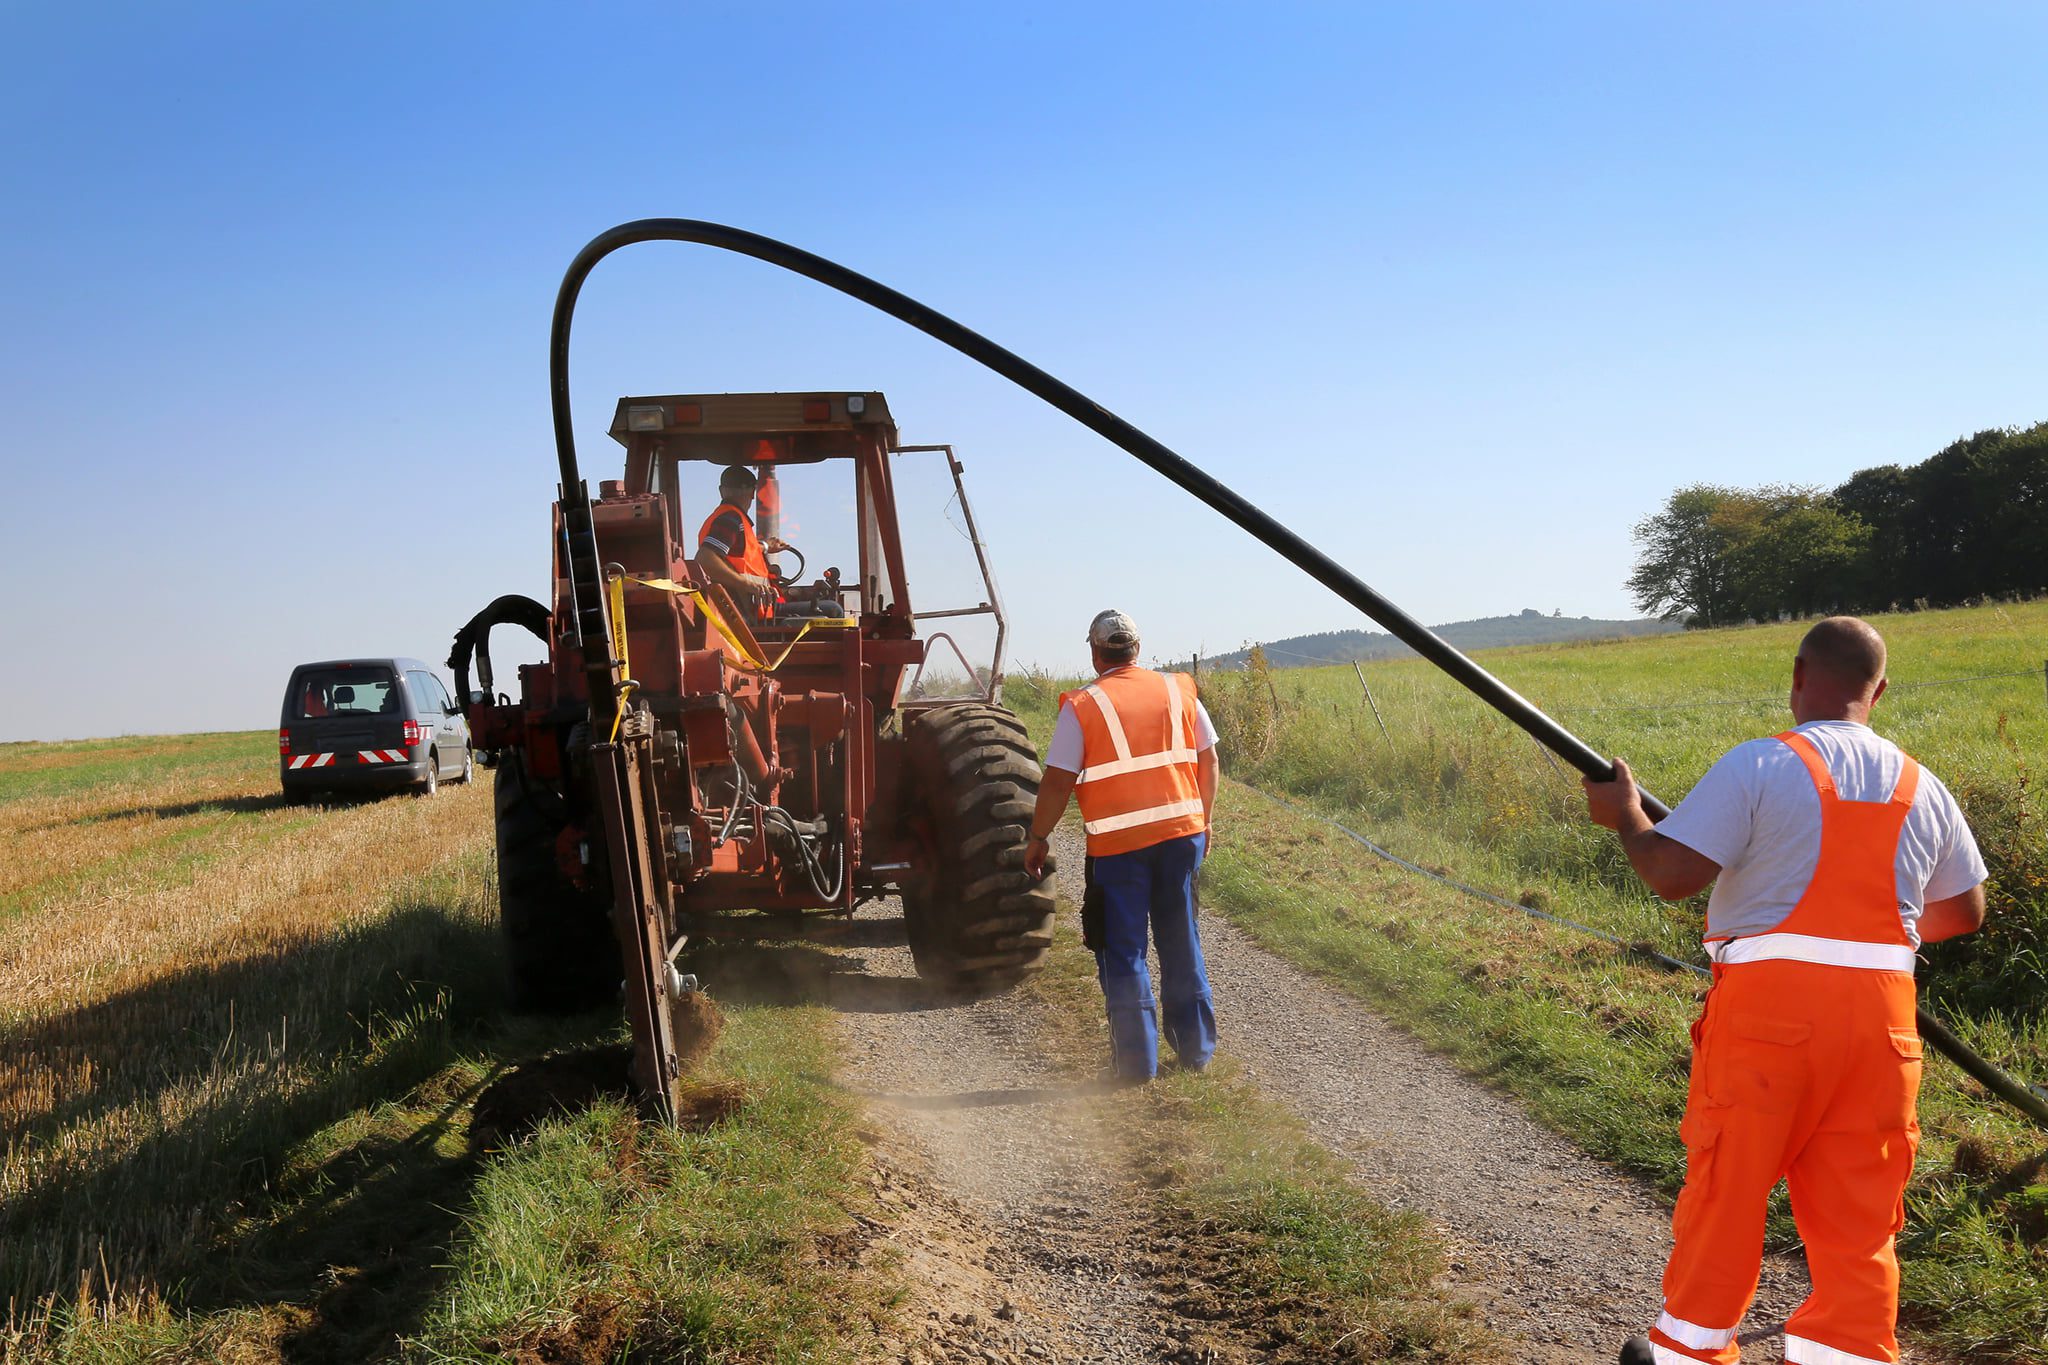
x=711 y=614
x=615 y=591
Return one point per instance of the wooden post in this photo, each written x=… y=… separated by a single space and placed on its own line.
x=1373 y=704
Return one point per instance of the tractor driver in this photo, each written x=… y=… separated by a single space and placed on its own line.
x=728 y=550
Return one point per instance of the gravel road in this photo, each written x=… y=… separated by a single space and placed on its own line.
x=1561 y=1253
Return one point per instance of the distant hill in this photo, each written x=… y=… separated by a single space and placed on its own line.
x=1529 y=627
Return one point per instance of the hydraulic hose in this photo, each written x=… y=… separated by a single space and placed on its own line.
x=592 y=624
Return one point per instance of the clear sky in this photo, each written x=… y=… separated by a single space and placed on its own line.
x=1458 y=291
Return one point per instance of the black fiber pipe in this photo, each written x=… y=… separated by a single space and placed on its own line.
x=592 y=622
x=1082 y=409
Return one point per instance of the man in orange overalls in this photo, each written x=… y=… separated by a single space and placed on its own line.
x=1833 y=856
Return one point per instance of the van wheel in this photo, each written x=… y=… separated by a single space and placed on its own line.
x=468 y=767
x=432 y=783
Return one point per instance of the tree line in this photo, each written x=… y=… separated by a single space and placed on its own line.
x=1968 y=523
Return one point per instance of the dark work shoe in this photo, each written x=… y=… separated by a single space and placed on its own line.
x=1636 y=1351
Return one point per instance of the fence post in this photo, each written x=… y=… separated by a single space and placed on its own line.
x=1373 y=704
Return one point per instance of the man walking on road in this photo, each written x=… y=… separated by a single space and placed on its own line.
x=1833 y=856
x=1139 y=751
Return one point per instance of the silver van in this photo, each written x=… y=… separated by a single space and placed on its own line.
x=356 y=725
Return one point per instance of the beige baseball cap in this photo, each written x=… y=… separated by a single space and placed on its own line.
x=1113 y=630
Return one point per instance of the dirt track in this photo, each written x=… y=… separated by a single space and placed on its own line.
x=1013 y=1203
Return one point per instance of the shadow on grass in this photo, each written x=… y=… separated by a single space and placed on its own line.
x=174 y=810
x=284 y=1132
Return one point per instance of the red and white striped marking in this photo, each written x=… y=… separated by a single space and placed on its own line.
x=312 y=761
x=381 y=756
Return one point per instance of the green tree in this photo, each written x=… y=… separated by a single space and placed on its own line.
x=1683 y=571
x=1792 y=552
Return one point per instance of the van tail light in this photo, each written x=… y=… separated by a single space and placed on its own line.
x=284 y=740
x=415 y=734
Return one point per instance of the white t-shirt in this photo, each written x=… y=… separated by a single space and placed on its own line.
x=1064 y=752
x=1756 y=813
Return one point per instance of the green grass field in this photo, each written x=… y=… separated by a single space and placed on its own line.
x=1591 y=1037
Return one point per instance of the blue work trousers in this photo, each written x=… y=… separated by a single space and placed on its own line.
x=1154 y=885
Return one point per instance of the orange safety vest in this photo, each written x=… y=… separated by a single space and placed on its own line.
x=746 y=556
x=1137 y=784
x=1849 y=913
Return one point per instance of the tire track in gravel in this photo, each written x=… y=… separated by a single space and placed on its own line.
x=1034 y=1243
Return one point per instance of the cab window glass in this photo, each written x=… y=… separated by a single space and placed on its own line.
x=364 y=690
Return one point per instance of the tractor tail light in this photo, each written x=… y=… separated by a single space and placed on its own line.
x=415 y=734
x=817 y=409
x=284 y=740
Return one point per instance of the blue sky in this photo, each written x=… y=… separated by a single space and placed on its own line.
x=1459 y=292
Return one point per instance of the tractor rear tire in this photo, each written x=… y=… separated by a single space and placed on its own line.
x=560 y=952
x=976 y=921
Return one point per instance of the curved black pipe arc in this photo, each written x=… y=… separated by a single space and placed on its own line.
x=1082 y=409
x=593 y=623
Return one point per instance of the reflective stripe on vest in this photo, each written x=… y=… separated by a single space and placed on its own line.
x=1848 y=915
x=1134 y=795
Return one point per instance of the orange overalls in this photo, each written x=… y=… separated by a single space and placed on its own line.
x=1806 y=1067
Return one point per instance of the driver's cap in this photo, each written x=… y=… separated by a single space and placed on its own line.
x=1113 y=630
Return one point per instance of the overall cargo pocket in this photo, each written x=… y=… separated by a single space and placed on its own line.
x=1757 y=1063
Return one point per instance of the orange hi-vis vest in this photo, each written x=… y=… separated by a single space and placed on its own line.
x=1137 y=784
x=1849 y=914
x=747 y=556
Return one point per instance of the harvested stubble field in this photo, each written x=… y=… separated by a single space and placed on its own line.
x=240 y=1046
x=260 y=1101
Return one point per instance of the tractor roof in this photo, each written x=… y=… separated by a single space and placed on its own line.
x=750 y=414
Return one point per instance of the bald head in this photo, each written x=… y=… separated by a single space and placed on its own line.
x=1847 y=650
x=1839 y=673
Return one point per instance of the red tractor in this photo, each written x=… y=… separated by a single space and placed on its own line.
x=687 y=765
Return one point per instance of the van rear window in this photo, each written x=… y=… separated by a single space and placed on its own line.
x=362 y=691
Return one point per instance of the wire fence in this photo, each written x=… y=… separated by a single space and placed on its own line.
x=2031 y=1100
x=1779 y=698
